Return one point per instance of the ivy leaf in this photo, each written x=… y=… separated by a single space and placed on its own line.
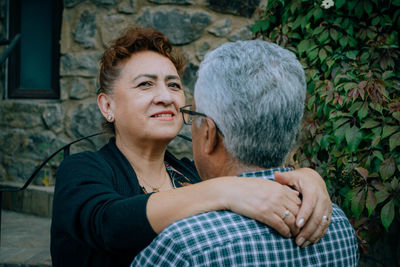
x=318 y=30
x=396 y=115
x=358 y=203
x=312 y=54
x=363 y=172
x=353 y=138
x=323 y=37
x=343 y=41
x=341 y=132
x=376 y=106
x=395 y=184
x=339 y=122
x=303 y=45
x=381 y=196
x=378 y=154
x=352 y=54
x=368 y=7
x=325 y=141
x=394 y=141
x=387 y=214
x=370 y=124
x=371 y=201
x=363 y=111
x=311 y=102
x=387 y=168
x=378 y=186
x=396 y=2
x=318 y=14
x=340 y=3
x=388 y=130
x=322 y=54
x=334 y=34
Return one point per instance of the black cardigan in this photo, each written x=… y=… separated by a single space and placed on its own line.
x=99 y=210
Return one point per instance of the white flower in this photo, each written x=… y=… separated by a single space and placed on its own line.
x=327 y=4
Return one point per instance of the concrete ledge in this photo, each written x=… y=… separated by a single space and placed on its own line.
x=37 y=200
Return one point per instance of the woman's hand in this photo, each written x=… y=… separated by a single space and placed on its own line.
x=265 y=201
x=315 y=212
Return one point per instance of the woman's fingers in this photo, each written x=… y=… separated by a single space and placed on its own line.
x=316 y=226
x=267 y=202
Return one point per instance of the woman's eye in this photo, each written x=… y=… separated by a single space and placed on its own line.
x=144 y=84
x=175 y=86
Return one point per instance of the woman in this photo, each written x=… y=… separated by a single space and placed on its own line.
x=110 y=204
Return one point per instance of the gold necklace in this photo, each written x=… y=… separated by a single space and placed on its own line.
x=153 y=188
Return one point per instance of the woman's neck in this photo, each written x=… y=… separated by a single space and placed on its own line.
x=147 y=159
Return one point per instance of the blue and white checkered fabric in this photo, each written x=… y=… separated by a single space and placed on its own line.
x=223 y=238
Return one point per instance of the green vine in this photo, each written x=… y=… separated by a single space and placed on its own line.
x=350 y=51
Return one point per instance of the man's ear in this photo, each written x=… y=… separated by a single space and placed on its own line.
x=104 y=102
x=212 y=139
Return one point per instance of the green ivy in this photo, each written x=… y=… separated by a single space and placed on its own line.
x=351 y=55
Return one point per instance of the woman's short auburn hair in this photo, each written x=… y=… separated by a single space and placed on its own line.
x=133 y=40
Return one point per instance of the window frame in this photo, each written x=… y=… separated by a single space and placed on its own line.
x=15 y=92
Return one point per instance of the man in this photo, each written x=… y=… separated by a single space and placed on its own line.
x=249 y=100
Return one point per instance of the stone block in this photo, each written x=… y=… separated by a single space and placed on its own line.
x=72 y=3
x=127 y=7
x=53 y=117
x=85 y=120
x=20 y=115
x=243 y=8
x=112 y=27
x=105 y=3
x=202 y=50
x=175 y=2
x=241 y=34
x=11 y=141
x=80 y=64
x=180 y=26
x=189 y=76
x=221 y=27
x=85 y=30
x=19 y=169
x=79 y=90
x=40 y=145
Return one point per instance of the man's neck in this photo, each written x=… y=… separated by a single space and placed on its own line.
x=233 y=167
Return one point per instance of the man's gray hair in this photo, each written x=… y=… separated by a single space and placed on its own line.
x=255 y=93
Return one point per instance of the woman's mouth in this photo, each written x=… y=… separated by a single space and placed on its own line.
x=164 y=115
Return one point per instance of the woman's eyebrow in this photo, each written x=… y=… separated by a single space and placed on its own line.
x=172 y=77
x=151 y=76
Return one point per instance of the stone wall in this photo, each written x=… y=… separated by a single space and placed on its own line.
x=32 y=129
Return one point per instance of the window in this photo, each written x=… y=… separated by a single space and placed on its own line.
x=33 y=66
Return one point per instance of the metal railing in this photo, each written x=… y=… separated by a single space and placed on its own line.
x=67 y=151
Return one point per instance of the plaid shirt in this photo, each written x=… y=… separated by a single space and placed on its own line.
x=224 y=238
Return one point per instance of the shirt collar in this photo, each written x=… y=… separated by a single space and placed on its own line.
x=266 y=174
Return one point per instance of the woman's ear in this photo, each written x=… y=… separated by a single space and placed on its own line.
x=104 y=102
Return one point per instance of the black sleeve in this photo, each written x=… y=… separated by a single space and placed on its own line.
x=87 y=206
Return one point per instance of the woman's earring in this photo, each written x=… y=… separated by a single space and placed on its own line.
x=110 y=117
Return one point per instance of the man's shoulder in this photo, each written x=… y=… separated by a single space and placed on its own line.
x=212 y=229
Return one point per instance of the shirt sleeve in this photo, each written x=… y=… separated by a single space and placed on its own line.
x=87 y=206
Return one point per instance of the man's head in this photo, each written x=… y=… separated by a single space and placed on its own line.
x=254 y=91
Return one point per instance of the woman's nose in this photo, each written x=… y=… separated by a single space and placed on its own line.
x=163 y=96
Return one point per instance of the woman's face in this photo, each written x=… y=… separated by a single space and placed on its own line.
x=147 y=97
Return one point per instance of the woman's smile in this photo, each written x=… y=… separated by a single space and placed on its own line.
x=166 y=115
